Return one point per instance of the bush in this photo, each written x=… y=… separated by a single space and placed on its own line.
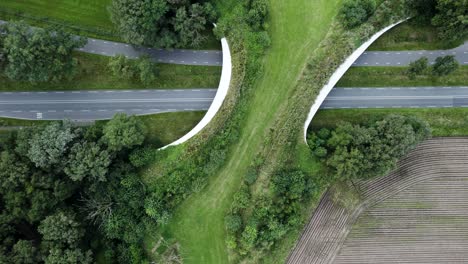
x=417 y=67
x=355 y=12
x=233 y=223
x=251 y=176
x=445 y=65
x=121 y=67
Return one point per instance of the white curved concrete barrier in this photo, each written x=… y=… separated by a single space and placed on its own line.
x=217 y=101
x=339 y=73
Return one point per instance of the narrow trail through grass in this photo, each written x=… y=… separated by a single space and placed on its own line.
x=297 y=27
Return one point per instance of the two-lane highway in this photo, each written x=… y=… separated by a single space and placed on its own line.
x=397 y=97
x=403 y=58
x=95 y=105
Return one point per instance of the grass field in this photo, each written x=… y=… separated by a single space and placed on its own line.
x=87 y=14
x=396 y=76
x=198 y=224
x=93 y=74
x=412 y=36
x=443 y=121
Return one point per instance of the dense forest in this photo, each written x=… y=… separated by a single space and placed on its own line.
x=68 y=192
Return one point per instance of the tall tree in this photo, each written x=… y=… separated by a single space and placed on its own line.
x=61 y=228
x=189 y=23
x=37 y=54
x=124 y=132
x=452 y=18
x=48 y=147
x=87 y=160
x=445 y=65
x=162 y=23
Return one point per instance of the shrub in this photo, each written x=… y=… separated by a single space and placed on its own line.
x=445 y=65
x=355 y=12
x=417 y=67
x=121 y=67
x=233 y=223
x=251 y=176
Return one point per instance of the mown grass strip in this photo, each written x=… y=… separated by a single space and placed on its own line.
x=93 y=74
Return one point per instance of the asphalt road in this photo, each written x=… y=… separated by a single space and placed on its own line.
x=403 y=58
x=174 y=56
x=95 y=105
x=397 y=97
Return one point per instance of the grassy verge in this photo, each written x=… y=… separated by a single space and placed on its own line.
x=167 y=127
x=443 y=121
x=413 y=36
x=198 y=224
x=93 y=74
x=396 y=76
x=162 y=128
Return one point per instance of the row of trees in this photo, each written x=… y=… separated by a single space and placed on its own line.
x=66 y=192
x=449 y=16
x=162 y=23
x=442 y=66
x=39 y=54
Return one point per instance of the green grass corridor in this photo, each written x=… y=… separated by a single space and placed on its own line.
x=296 y=29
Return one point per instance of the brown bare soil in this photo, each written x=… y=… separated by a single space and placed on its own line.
x=416 y=214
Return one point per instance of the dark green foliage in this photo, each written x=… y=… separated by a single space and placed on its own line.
x=61 y=189
x=61 y=228
x=121 y=67
x=251 y=176
x=68 y=256
x=124 y=132
x=48 y=147
x=190 y=23
x=270 y=220
x=445 y=65
x=87 y=160
x=258 y=13
x=25 y=252
x=39 y=55
x=233 y=223
x=143 y=68
x=146 y=69
x=417 y=67
x=360 y=152
x=355 y=12
x=423 y=10
x=162 y=23
x=451 y=18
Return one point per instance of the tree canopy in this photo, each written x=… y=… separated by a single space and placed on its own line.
x=39 y=54
x=451 y=18
x=64 y=190
x=360 y=152
x=355 y=12
x=162 y=23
